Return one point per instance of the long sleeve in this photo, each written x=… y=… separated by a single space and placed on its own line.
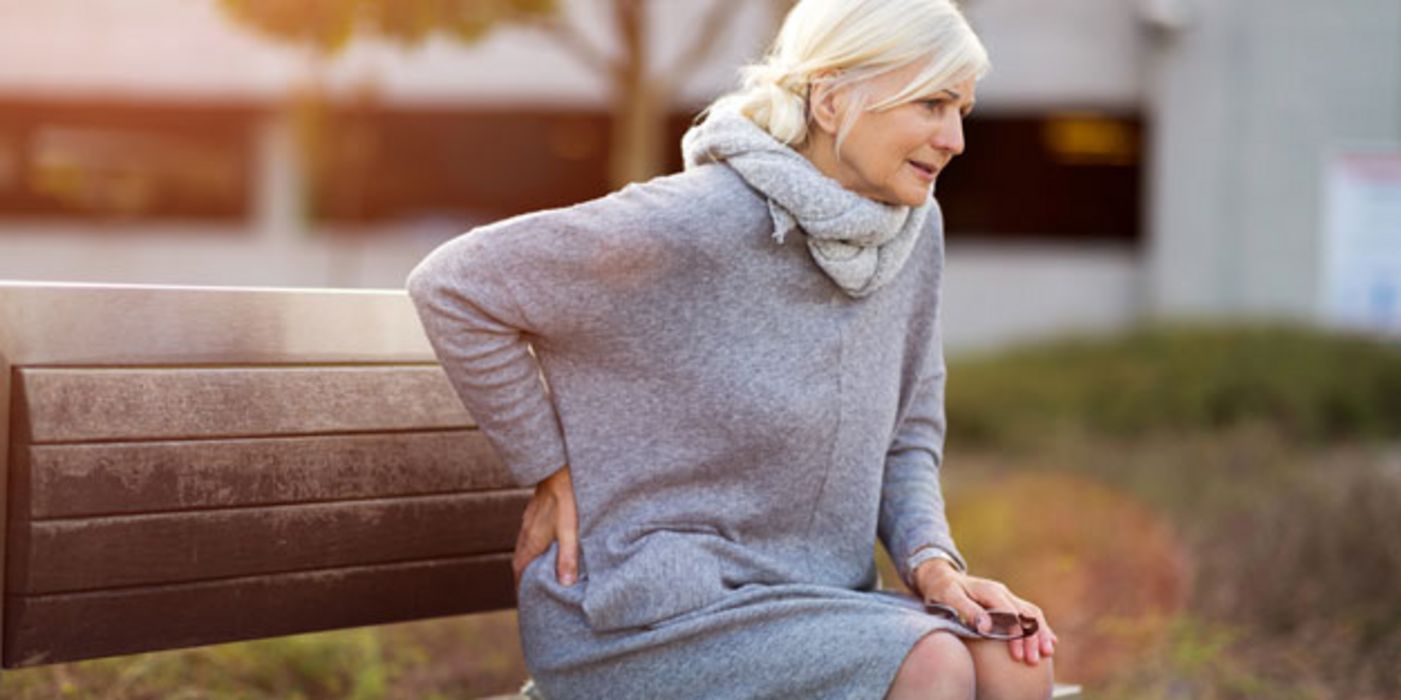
x=912 y=501
x=480 y=336
x=540 y=282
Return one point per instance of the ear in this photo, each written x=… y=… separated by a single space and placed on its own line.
x=824 y=105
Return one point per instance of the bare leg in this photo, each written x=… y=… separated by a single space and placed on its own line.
x=1000 y=677
x=938 y=667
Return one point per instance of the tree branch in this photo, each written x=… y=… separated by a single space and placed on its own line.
x=574 y=42
x=703 y=45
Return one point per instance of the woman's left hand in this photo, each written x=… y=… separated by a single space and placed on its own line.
x=939 y=582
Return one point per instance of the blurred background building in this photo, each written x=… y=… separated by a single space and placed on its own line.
x=1128 y=158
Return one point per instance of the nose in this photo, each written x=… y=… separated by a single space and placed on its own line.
x=949 y=136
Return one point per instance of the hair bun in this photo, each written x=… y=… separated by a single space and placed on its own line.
x=774 y=97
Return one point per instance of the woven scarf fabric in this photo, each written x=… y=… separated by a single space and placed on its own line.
x=859 y=242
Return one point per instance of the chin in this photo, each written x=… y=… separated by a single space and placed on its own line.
x=912 y=194
x=913 y=199
x=903 y=196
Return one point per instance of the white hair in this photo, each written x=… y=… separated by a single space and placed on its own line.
x=848 y=43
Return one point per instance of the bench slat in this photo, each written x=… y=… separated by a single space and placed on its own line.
x=116 y=404
x=144 y=477
x=56 y=628
x=96 y=553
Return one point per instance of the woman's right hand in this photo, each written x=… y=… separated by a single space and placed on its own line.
x=938 y=581
x=550 y=516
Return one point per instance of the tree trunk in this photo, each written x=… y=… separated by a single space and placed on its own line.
x=639 y=123
x=639 y=105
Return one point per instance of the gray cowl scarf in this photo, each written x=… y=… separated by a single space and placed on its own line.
x=860 y=243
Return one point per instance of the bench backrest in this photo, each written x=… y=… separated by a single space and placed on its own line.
x=189 y=466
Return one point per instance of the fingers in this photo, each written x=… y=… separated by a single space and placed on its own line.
x=989 y=595
x=973 y=614
x=1028 y=650
x=518 y=564
x=520 y=557
x=536 y=533
x=567 y=532
x=1046 y=636
x=1036 y=646
x=551 y=515
x=996 y=596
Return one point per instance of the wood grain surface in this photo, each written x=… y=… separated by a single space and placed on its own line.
x=93 y=553
x=144 y=477
x=123 y=404
x=54 y=628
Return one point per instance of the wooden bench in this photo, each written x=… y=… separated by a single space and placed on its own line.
x=190 y=466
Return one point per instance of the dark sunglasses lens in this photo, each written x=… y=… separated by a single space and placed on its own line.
x=1011 y=626
x=1005 y=625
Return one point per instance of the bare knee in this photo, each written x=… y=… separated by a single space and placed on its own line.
x=1000 y=677
x=937 y=666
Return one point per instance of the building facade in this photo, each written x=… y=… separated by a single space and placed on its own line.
x=1127 y=160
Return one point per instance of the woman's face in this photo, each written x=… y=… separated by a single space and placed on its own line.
x=895 y=155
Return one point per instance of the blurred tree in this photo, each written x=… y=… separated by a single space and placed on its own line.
x=328 y=25
x=640 y=95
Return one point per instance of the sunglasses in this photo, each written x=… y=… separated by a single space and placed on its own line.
x=1005 y=625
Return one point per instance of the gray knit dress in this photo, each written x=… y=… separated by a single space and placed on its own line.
x=740 y=429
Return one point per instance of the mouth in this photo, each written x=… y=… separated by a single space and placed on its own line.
x=925 y=170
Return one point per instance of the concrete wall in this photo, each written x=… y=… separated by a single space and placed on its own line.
x=998 y=295
x=1060 y=54
x=1246 y=102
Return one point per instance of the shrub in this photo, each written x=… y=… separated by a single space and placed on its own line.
x=1310 y=385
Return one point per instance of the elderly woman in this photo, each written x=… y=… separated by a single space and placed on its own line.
x=726 y=383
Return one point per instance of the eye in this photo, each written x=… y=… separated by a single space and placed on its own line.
x=934 y=104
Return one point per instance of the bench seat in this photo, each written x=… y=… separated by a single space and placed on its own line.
x=192 y=466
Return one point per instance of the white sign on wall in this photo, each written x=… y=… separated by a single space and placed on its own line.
x=1362 y=240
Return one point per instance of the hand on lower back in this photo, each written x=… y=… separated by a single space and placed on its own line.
x=550 y=516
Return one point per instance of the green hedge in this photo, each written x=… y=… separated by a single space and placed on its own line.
x=1308 y=384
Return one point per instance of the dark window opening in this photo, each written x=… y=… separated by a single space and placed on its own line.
x=125 y=162
x=1062 y=177
x=408 y=165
